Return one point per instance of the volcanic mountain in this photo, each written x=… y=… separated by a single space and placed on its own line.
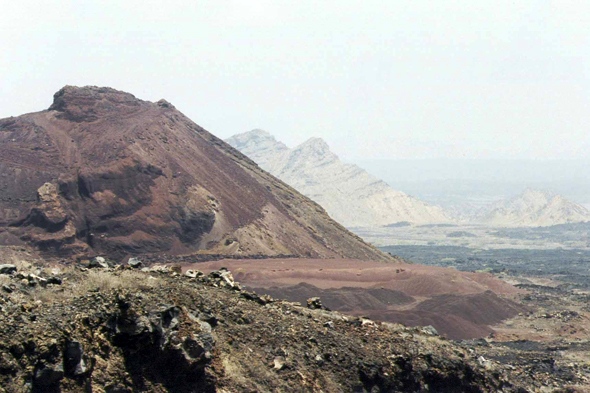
x=535 y=208
x=349 y=194
x=102 y=172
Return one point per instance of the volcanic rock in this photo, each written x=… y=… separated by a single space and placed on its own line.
x=102 y=172
x=54 y=280
x=7 y=269
x=134 y=263
x=192 y=273
x=98 y=262
x=315 y=303
x=75 y=363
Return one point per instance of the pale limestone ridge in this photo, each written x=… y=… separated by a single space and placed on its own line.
x=259 y=145
x=348 y=193
x=535 y=208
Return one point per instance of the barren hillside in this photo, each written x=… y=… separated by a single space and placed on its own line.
x=101 y=171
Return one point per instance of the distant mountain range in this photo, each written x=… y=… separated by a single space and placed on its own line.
x=355 y=198
x=534 y=208
x=348 y=193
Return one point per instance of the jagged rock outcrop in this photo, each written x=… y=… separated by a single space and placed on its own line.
x=102 y=172
x=535 y=208
x=348 y=193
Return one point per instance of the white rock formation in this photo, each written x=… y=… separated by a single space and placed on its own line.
x=534 y=208
x=349 y=194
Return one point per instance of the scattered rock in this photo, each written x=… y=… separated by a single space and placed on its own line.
x=116 y=388
x=135 y=263
x=279 y=363
x=315 y=303
x=36 y=280
x=367 y=322
x=176 y=336
x=484 y=362
x=193 y=350
x=7 y=269
x=98 y=262
x=46 y=376
x=54 y=280
x=223 y=277
x=193 y=273
x=208 y=318
x=74 y=362
x=158 y=269
x=430 y=330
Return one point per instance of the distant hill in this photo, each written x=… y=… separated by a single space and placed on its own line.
x=348 y=193
x=535 y=208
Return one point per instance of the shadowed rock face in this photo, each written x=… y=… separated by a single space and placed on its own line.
x=101 y=171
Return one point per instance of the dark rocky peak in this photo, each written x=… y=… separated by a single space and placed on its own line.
x=89 y=103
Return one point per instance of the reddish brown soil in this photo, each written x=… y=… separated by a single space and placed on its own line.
x=103 y=172
x=411 y=279
x=341 y=299
x=459 y=305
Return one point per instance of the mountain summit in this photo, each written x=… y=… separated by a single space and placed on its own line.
x=348 y=193
x=101 y=171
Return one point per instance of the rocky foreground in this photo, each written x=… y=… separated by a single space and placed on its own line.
x=114 y=328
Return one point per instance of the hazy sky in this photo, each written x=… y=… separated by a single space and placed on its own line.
x=399 y=79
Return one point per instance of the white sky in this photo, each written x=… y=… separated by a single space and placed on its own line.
x=396 y=79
